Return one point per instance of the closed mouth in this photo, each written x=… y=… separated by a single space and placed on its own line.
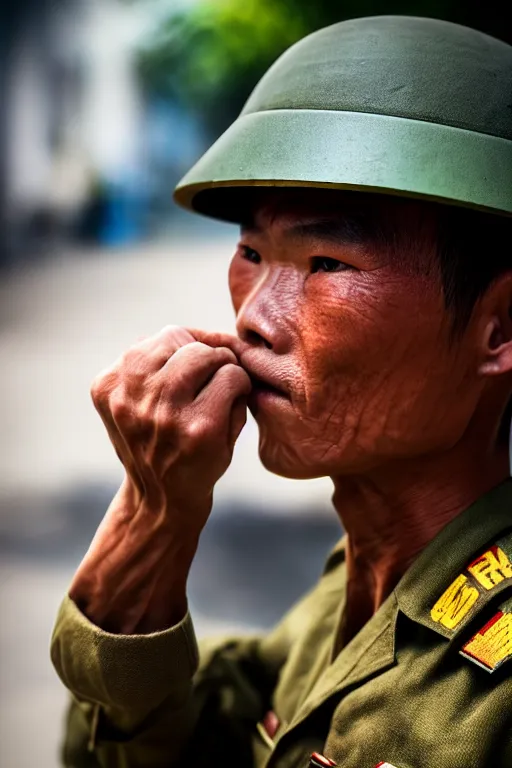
x=258 y=385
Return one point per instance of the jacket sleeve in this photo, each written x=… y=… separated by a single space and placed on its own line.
x=158 y=700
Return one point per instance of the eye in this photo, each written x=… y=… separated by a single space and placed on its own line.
x=326 y=264
x=250 y=254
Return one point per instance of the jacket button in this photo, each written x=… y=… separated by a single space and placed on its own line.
x=319 y=761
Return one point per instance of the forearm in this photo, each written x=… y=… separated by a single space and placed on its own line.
x=124 y=643
x=133 y=578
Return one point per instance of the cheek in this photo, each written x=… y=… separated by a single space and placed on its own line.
x=376 y=368
x=343 y=334
x=365 y=327
x=241 y=279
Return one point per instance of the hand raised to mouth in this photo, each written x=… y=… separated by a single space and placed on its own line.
x=173 y=405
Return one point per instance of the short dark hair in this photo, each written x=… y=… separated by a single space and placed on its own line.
x=474 y=249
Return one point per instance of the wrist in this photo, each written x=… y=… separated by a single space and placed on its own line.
x=133 y=579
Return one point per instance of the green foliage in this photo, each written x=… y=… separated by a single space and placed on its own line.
x=211 y=56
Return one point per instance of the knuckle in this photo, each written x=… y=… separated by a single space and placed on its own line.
x=170 y=329
x=227 y=354
x=133 y=421
x=96 y=390
x=101 y=385
x=120 y=409
x=210 y=427
x=230 y=370
x=136 y=362
x=235 y=375
x=128 y=356
x=196 y=348
x=214 y=353
x=193 y=433
x=186 y=352
x=200 y=430
x=177 y=334
x=164 y=416
x=189 y=357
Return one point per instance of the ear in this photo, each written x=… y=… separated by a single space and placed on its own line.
x=496 y=338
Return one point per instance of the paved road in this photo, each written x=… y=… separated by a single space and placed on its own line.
x=60 y=323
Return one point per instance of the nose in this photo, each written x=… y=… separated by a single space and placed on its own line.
x=261 y=320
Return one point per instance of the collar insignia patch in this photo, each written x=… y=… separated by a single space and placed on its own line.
x=491 y=647
x=455 y=603
x=491 y=568
x=491 y=571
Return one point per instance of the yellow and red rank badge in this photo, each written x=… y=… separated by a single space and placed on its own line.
x=492 y=645
x=455 y=603
x=491 y=568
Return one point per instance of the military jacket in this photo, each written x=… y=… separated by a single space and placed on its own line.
x=426 y=683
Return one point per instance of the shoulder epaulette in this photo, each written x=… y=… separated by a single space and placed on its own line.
x=482 y=580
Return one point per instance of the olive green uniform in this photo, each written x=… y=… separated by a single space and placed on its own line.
x=401 y=691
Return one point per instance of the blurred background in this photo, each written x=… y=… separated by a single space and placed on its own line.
x=105 y=104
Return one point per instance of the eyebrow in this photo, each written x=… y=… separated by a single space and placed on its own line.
x=347 y=230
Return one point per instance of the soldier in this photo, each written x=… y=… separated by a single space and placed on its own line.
x=371 y=173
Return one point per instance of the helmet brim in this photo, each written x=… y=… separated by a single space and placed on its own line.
x=352 y=151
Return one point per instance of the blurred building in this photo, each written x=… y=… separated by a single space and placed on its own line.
x=83 y=149
x=71 y=114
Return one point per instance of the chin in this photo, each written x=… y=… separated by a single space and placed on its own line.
x=281 y=460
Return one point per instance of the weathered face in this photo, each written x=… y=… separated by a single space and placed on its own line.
x=355 y=340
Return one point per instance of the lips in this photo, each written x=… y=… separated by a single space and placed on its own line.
x=264 y=380
x=259 y=385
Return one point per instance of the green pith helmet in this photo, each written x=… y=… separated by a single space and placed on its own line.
x=407 y=106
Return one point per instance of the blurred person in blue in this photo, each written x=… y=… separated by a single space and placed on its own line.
x=371 y=174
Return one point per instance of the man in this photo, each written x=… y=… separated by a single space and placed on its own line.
x=371 y=173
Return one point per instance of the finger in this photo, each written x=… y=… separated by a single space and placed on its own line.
x=170 y=337
x=191 y=367
x=218 y=397
x=103 y=405
x=219 y=339
x=151 y=353
x=238 y=419
x=175 y=334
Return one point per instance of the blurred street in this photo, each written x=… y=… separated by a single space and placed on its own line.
x=62 y=321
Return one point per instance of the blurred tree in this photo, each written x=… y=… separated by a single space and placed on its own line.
x=210 y=56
